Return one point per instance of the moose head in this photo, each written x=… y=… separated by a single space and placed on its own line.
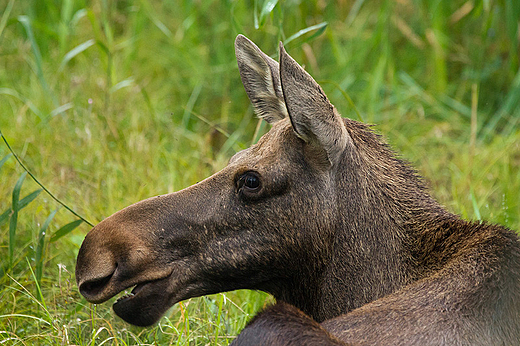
x=319 y=213
x=271 y=220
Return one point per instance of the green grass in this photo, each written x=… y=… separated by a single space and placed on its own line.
x=110 y=102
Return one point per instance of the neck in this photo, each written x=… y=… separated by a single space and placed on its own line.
x=382 y=209
x=373 y=248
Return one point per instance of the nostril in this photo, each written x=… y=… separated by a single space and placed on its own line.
x=91 y=288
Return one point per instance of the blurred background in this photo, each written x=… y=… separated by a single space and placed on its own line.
x=109 y=102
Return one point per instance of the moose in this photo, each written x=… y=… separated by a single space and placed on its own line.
x=324 y=216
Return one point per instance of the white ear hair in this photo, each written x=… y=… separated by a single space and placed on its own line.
x=261 y=78
x=313 y=117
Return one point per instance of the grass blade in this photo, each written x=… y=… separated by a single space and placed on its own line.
x=14 y=217
x=61 y=109
x=28 y=199
x=11 y=92
x=75 y=51
x=40 y=249
x=474 y=203
x=21 y=204
x=148 y=9
x=26 y=316
x=512 y=15
x=219 y=315
x=255 y=15
x=65 y=230
x=4 y=216
x=318 y=27
x=16 y=192
x=6 y=157
x=26 y=22
x=189 y=106
x=26 y=292
x=77 y=17
x=267 y=8
x=510 y=104
x=354 y=12
x=123 y=84
x=5 y=16
x=16 y=95
x=64 y=25
x=97 y=32
x=38 y=285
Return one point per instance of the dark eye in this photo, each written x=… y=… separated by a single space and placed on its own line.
x=249 y=181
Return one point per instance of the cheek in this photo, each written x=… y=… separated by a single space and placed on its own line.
x=310 y=217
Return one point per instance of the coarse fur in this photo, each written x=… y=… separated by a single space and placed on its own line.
x=324 y=216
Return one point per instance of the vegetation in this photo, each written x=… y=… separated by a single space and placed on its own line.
x=110 y=102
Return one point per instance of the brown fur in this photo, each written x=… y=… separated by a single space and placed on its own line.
x=324 y=216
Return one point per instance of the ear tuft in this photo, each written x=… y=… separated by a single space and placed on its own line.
x=313 y=117
x=261 y=79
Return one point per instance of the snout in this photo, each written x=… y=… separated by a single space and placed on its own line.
x=96 y=290
x=96 y=287
x=95 y=269
x=115 y=255
x=152 y=247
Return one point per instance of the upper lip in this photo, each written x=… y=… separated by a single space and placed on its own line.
x=99 y=290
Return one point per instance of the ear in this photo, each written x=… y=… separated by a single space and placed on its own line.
x=261 y=78
x=313 y=117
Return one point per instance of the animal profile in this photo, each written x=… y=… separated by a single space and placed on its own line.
x=324 y=216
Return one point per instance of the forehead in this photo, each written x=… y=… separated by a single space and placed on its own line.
x=273 y=144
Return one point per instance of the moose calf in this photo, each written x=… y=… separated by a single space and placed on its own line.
x=321 y=214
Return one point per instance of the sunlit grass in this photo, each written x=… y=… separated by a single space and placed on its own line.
x=114 y=101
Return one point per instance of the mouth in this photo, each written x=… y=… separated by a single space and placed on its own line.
x=146 y=303
x=132 y=294
x=143 y=306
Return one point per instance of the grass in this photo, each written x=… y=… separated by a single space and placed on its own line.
x=110 y=102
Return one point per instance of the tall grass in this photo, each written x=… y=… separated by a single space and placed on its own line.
x=109 y=102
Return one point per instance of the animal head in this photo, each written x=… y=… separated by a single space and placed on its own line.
x=267 y=221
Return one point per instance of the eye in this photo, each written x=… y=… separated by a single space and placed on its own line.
x=250 y=181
